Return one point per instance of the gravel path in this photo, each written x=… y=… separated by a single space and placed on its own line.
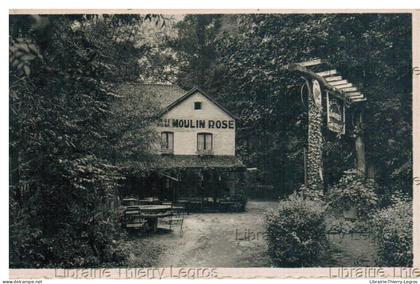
x=216 y=240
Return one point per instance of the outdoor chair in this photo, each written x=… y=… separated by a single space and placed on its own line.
x=133 y=220
x=177 y=219
x=179 y=210
x=182 y=206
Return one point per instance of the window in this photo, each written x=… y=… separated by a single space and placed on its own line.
x=167 y=145
x=197 y=105
x=204 y=142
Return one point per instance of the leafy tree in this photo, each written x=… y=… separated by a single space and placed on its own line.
x=195 y=46
x=374 y=51
x=186 y=55
x=131 y=126
x=61 y=98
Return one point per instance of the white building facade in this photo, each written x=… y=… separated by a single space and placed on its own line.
x=196 y=124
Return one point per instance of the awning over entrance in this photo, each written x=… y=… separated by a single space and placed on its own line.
x=158 y=162
x=191 y=161
x=200 y=180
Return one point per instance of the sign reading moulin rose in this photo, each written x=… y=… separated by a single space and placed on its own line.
x=197 y=123
x=335 y=115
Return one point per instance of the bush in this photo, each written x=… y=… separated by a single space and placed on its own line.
x=308 y=193
x=67 y=222
x=296 y=232
x=72 y=246
x=25 y=242
x=341 y=226
x=353 y=191
x=394 y=233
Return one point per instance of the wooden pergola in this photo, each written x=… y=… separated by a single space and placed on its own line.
x=330 y=79
x=323 y=79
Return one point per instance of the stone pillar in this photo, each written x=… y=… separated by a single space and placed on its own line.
x=315 y=140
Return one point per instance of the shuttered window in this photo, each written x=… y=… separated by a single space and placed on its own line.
x=167 y=141
x=204 y=142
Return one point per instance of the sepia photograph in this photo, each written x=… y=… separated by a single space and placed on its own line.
x=210 y=140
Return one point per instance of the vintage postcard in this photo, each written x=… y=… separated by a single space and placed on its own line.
x=213 y=144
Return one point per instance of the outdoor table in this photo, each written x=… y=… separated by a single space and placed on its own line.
x=152 y=212
x=149 y=202
x=129 y=201
x=179 y=209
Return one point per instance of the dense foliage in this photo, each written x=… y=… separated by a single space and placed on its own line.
x=63 y=180
x=296 y=232
x=354 y=191
x=194 y=45
x=394 y=233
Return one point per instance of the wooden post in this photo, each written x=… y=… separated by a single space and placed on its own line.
x=360 y=146
x=201 y=173
x=305 y=174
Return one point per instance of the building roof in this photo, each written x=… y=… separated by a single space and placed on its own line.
x=164 y=94
x=168 y=96
x=165 y=162
x=190 y=93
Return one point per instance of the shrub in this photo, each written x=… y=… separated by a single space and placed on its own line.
x=25 y=242
x=74 y=247
x=341 y=226
x=307 y=193
x=353 y=191
x=67 y=222
x=296 y=232
x=394 y=233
